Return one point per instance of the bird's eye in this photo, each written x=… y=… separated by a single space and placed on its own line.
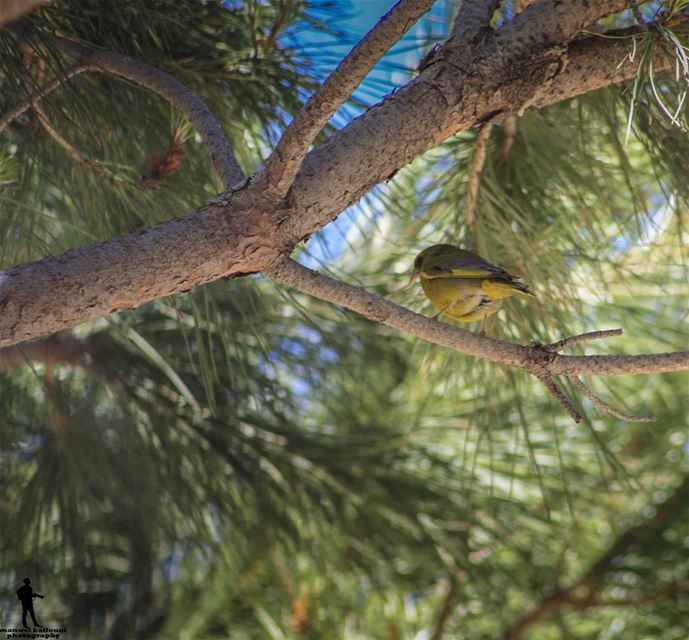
x=436 y=269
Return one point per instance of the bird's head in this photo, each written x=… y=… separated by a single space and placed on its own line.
x=429 y=255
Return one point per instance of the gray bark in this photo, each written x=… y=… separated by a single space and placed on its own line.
x=242 y=233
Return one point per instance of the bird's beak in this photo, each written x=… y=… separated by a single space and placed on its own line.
x=415 y=276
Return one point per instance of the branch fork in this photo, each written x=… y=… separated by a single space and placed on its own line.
x=543 y=355
x=253 y=229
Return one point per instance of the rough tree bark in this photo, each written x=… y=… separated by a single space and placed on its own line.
x=479 y=75
x=12 y=10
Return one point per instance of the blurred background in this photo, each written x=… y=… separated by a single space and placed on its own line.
x=242 y=461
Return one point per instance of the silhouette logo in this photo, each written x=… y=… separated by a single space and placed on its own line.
x=26 y=596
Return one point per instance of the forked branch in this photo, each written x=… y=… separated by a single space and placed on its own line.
x=284 y=162
x=242 y=233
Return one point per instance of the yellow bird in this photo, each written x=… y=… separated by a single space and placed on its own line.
x=462 y=285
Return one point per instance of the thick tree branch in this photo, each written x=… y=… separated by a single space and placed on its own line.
x=164 y=85
x=285 y=161
x=12 y=10
x=546 y=23
x=90 y=282
x=242 y=233
x=473 y=17
x=438 y=103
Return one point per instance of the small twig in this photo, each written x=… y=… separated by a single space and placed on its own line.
x=604 y=406
x=509 y=134
x=562 y=399
x=42 y=92
x=556 y=347
x=76 y=155
x=285 y=160
x=667 y=591
x=477 y=164
x=42 y=116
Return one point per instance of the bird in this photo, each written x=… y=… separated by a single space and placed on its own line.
x=462 y=285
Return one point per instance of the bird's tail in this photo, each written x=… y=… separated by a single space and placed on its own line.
x=498 y=289
x=523 y=288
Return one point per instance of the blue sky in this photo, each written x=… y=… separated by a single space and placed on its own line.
x=356 y=19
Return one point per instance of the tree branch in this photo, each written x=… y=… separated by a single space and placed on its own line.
x=667 y=591
x=13 y=10
x=473 y=17
x=538 y=360
x=556 y=347
x=477 y=163
x=509 y=134
x=448 y=604
x=242 y=233
x=284 y=162
x=561 y=398
x=545 y=23
x=76 y=155
x=85 y=354
x=164 y=85
x=583 y=593
x=604 y=406
x=57 y=407
x=437 y=104
x=43 y=91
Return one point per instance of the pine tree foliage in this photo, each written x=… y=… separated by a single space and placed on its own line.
x=243 y=461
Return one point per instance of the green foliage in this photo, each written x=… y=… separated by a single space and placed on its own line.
x=241 y=461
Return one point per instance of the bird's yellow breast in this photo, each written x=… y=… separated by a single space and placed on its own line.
x=460 y=299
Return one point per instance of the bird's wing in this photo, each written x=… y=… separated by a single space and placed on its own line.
x=466 y=265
